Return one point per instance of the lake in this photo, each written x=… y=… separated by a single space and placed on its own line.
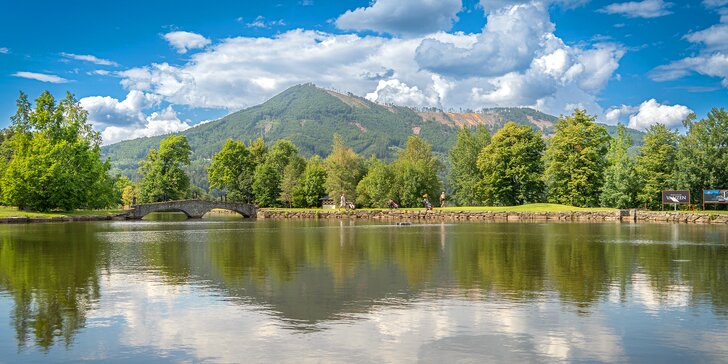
x=231 y=290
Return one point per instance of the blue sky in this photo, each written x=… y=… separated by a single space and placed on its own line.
x=145 y=68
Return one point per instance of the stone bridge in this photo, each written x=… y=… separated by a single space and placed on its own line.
x=194 y=209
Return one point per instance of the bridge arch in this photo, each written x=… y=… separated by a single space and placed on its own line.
x=194 y=209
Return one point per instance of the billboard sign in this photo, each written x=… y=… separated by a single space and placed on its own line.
x=676 y=196
x=715 y=196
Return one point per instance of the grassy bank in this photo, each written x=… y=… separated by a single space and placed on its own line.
x=7 y=211
x=536 y=207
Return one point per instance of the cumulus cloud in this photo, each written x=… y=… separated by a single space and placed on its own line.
x=516 y=60
x=639 y=9
x=712 y=59
x=648 y=113
x=185 y=41
x=89 y=58
x=42 y=77
x=615 y=114
x=508 y=43
x=120 y=120
x=402 y=17
x=260 y=22
x=398 y=93
x=158 y=123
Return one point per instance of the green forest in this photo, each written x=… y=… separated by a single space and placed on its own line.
x=51 y=160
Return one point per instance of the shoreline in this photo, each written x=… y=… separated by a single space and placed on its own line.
x=32 y=220
x=638 y=216
x=501 y=216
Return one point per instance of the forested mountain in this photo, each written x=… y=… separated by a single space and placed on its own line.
x=309 y=116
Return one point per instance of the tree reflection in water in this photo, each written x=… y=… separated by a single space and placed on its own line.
x=53 y=282
x=308 y=272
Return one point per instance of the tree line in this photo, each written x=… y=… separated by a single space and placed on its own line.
x=50 y=159
x=277 y=176
x=581 y=165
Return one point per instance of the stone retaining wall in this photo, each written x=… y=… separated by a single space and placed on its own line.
x=681 y=217
x=438 y=215
x=27 y=220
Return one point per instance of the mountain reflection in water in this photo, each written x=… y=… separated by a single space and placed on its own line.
x=431 y=292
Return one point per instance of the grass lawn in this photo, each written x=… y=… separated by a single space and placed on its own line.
x=7 y=211
x=536 y=207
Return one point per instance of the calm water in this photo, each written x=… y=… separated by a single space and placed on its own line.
x=330 y=291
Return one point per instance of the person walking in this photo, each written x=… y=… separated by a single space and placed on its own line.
x=426 y=202
x=442 y=199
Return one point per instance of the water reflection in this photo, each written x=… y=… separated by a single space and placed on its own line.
x=52 y=283
x=527 y=292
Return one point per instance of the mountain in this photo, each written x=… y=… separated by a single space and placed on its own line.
x=309 y=116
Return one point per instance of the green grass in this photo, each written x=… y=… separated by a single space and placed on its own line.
x=721 y=212
x=7 y=211
x=536 y=207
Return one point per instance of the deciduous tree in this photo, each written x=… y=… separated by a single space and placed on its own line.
x=268 y=175
x=655 y=165
x=415 y=172
x=377 y=187
x=163 y=177
x=575 y=160
x=464 y=173
x=312 y=186
x=620 y=179
x=702 y=154
x=344 y=169
x=232 y=171
x=54 y=158
x=512 y=167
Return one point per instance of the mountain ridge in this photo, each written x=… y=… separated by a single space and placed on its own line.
x=309 y=116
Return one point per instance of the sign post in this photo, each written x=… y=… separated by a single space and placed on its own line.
x=676 y=197
x=715 y=197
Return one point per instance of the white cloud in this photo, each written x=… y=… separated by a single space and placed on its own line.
x=185 y=41
x=89 y=58
x=260 y=22
x=43 y=77
x=402 y=17
x=648 y=113
x=121 y=120
x=712 y=59
x=639 y=9
x=4 y=50
x=714 y=65
x=509 y=42
x=158 y=123
x=615 y=114
x=507 y=64
x=713 y=38
x=398 y=93
x=99 y=72
x=715 y=3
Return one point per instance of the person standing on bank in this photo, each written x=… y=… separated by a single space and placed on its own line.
x=342 y=201
x=442 y=199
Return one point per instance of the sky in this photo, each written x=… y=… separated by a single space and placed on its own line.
x=143 y=68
